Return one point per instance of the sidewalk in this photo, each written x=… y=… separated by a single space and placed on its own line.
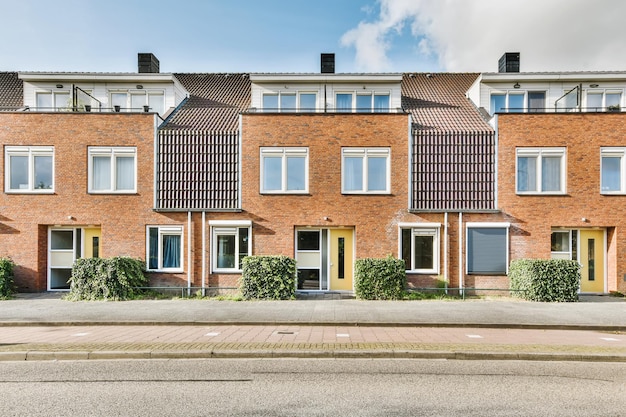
x=44 y=327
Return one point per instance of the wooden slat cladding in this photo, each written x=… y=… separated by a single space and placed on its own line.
x=453 y=171
x=198 y=170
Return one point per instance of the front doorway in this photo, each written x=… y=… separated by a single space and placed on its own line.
x=65 y=245
x=588 y=247
x=325 y=259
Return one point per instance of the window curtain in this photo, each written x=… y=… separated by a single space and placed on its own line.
x=353 y=174
x=226 y=251
x=171 y=251
x=551 y=173
x=101 y=175
x=344 y=102
x=526 y=174
x=376 y=174
x=381 y=103
x=611 y=173
x=125 y=173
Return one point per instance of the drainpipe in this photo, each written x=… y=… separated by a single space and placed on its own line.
x=188 y=253
x=203 y=253
x=445 y=251
x=461 y=283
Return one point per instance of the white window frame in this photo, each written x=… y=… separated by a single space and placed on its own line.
x=421 y=229
x=284 y=154
x=366 y=153
x=53 y=94
x=361 y=93
x=603 y=93
x=229 y=228
x=113 y=153
x=165 y=231
x=297 y=93
x=539 y=154
x=136 y=93
x=614 y=153
x=507 y=94
x=30 y=152
x=486 y=225
x=562 y=254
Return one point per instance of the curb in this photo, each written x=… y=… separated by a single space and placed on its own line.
x=306 y=354
x=528 y=326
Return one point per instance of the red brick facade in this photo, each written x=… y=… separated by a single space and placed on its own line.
x=25 y=218
x=582 y=206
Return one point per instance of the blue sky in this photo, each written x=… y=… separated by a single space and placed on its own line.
x=289 y=35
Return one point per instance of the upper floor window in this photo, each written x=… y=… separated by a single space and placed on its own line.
x=613 y=171
x=517 y=101
x=165 y=248
x=112 y=170
x=599 y=100
x=137 y=101
x=540 y=170
x=231 y=242
x=290 y=101
x=29 y=169
x=284 y=170
x=53 y=100
x=364 y=102
x=365 y=170
x=419 y=247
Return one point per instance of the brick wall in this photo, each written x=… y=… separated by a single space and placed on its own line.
x=24 y=218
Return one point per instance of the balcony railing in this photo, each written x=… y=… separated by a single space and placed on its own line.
x=327 y=110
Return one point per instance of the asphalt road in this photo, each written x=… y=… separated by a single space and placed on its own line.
x=298 y=387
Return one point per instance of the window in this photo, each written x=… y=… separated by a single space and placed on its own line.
x=487 y=248
x=134 y=101
x=599 y=100
x=613 y=172
x=366 y=102
x=165 y=248
x=289 y=101
x=563 y=244
x=365 y=170
x=53 y=100
x=343 y=102
x=540 y=170
x=284 y=170
x=231 y=243
x=29 y=169
x=112 y=170
x=510 y=102
x=419 y=247
x=536 y=101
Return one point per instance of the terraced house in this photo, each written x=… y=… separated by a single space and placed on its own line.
x=193 y=172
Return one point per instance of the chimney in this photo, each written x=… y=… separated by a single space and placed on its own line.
x=509 y=62
x=148 y=63
x=328 y=64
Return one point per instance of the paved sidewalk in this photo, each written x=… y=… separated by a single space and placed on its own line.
x=45 y=327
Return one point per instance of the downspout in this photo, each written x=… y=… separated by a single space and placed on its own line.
x=203 y=253
x=188 y=253
x=446 y=243
x=461 y=283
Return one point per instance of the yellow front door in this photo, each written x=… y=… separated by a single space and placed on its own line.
x=341 y=259
x=92 y=242
x=592 y=260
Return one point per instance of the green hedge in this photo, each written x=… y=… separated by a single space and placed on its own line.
x=268 y=278
x=106 y=279
x=7 y=287
x=380 y=279
x=545 y=279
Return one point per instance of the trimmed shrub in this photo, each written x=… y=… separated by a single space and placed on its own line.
x=7 y=287
x=106 y=279
x=268 y=278
x=380 y=279
x=545 y=279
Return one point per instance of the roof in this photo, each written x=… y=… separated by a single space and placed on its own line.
x=215 y=101
x=438 y=101
x=11 y=91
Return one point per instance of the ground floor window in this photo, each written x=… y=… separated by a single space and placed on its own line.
x=487 y=248
x=165 y=248
x=231 y=242
x=419 y=247
x=563 y=244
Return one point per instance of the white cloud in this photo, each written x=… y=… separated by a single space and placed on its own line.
x=551 y=35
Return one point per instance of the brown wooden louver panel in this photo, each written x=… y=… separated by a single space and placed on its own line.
x=453 y=171
x=198 y=170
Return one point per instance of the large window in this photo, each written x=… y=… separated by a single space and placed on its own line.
x=284 y=170
x=136 y=100
x=613 y=171
x=231 y=242
x=343 y=102
x=517 y=101
x=419 y=247
x=165 y=248
x=289 y=101
x=540 y=170
x=366 y=102
x=600 y=100
x=29 y=169
x=365 y=170
x=53 y=100
x=487 y=248
x=563 y=244
x=112 y=170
